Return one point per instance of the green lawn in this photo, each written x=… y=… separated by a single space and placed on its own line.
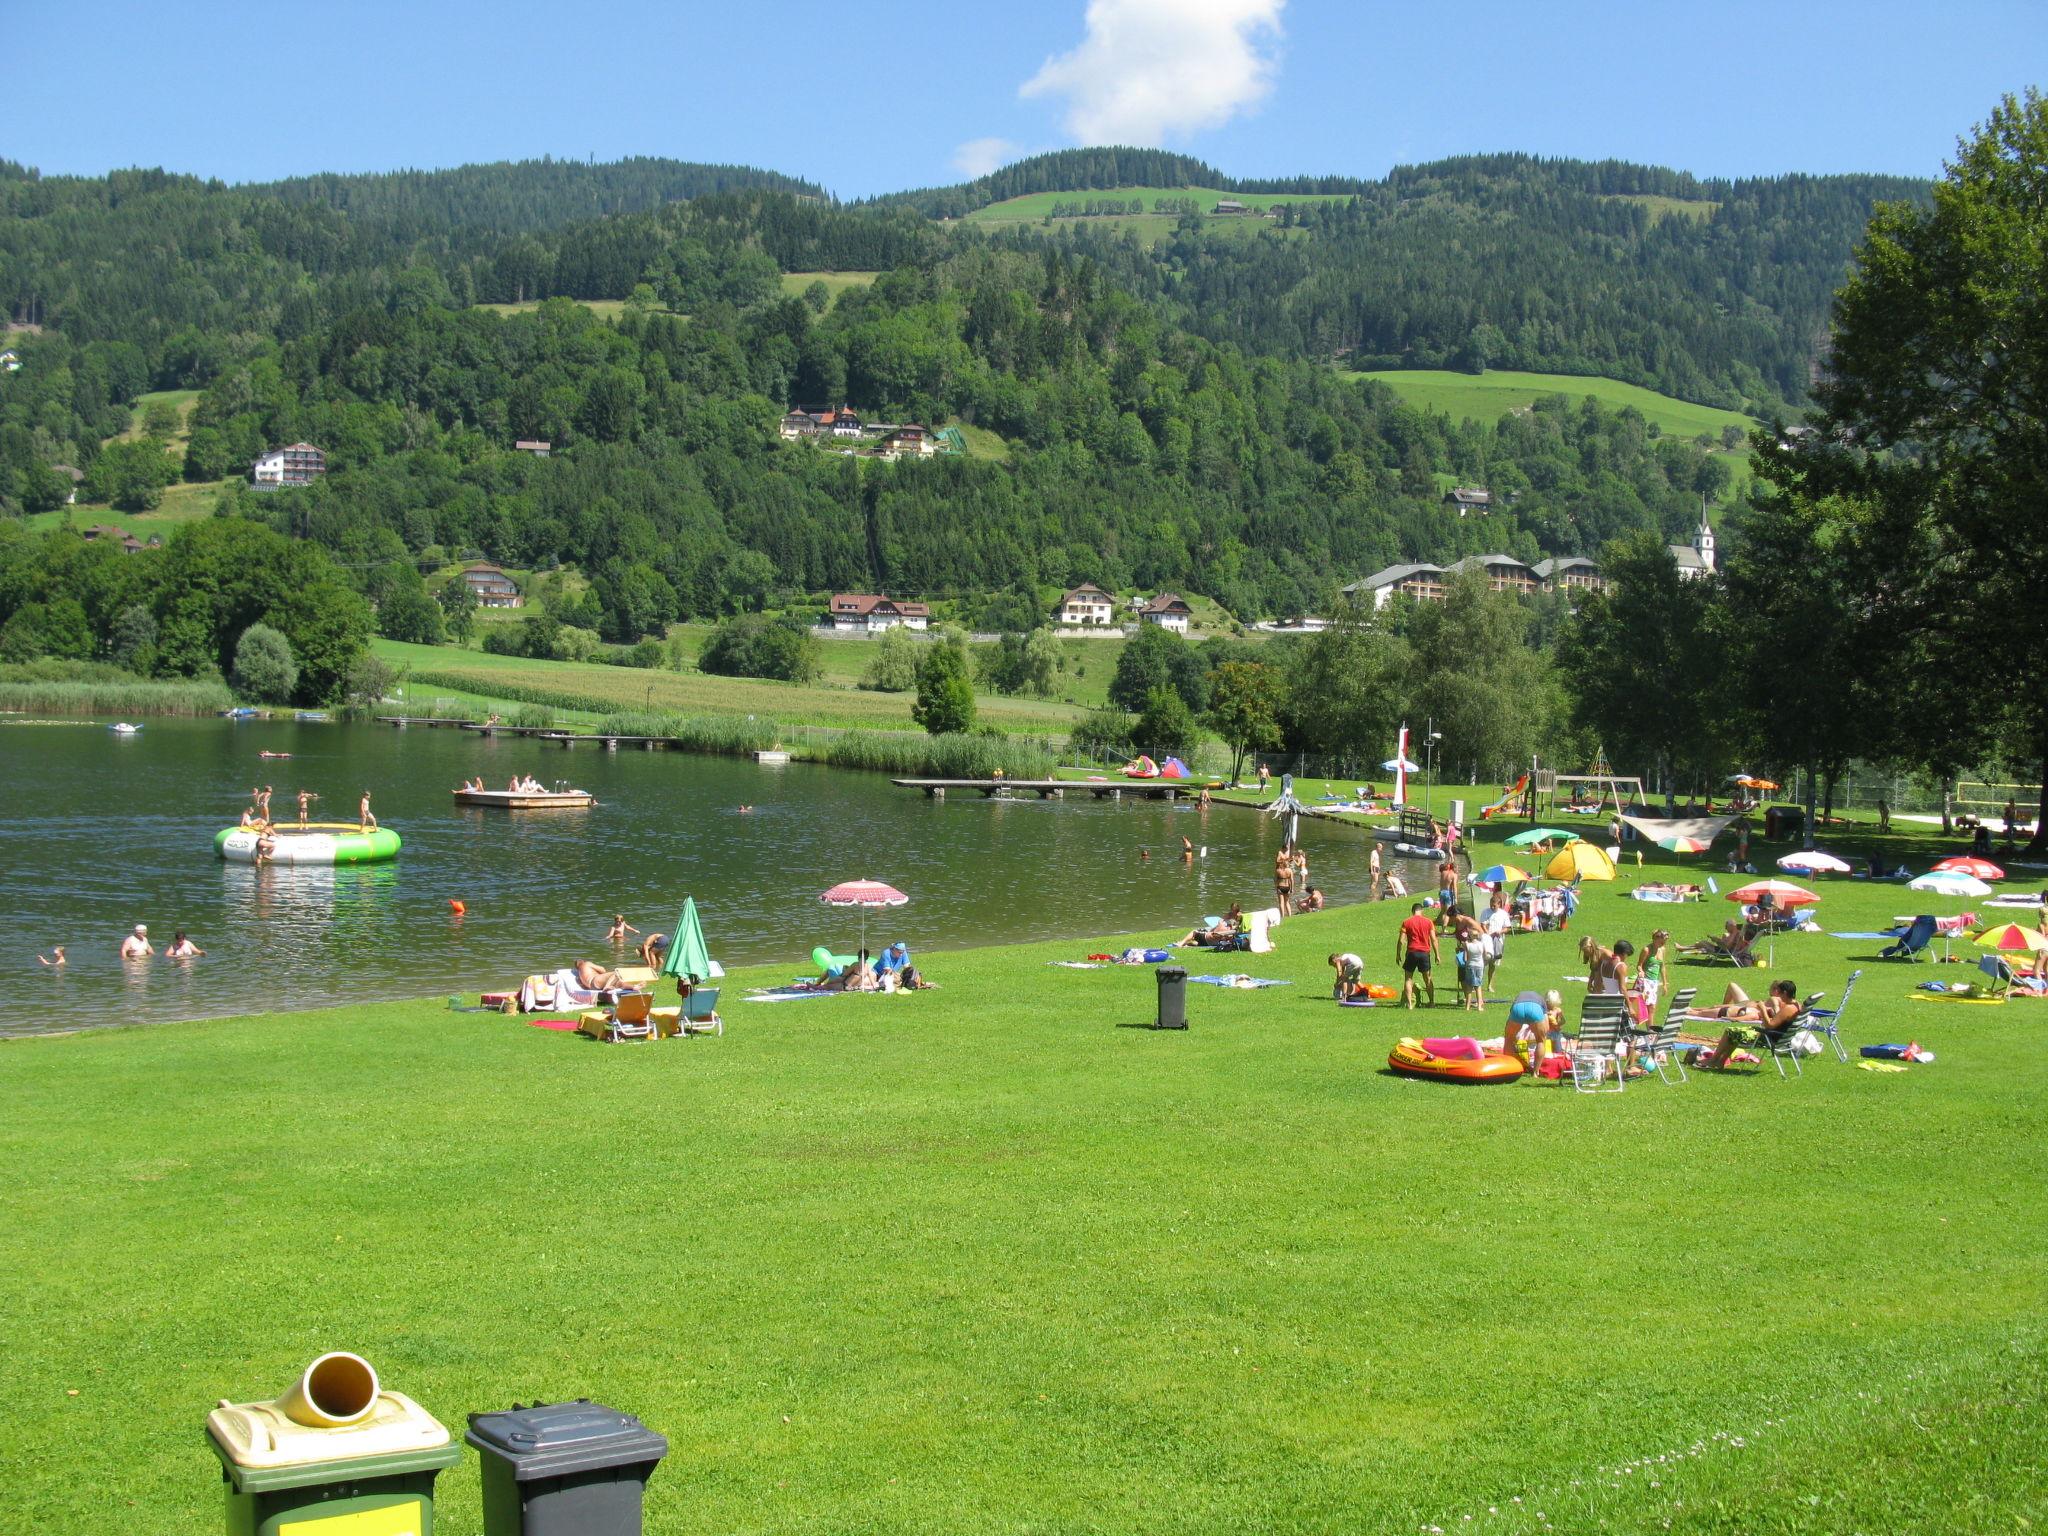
x=182 y=400
x=1491 y=395
x=597 y=688
x=1700 y=210
x=181 y=504
x=836 y=283
x=981 y=1260
x=605 y=309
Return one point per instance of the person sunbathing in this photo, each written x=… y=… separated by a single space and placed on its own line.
x=592 y=977
x=1223 y=931
x=1733 y=944
x=1770 y=1018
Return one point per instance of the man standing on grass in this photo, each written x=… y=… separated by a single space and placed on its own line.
x=1372 y=870
x=1415 y=949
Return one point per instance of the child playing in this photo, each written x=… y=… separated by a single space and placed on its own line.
x=1350 y=976
x=620 y=928
x=1471 y=963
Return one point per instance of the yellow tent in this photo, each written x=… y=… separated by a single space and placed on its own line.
x=1580 y=861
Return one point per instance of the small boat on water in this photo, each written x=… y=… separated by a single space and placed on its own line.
x=240 y=712
x=123 y=728
x=312 y=717
x=561 y=799
x=318 y=843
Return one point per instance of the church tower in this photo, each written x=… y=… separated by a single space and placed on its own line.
x=1703 y=541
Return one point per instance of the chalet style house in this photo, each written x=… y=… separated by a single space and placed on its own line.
x=491 y=587
x=300 y=464
x=1169 y=610
x=867 y=613
x=1571 y=574
x=1086 y=607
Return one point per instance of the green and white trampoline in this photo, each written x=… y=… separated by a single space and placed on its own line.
x=319 y=843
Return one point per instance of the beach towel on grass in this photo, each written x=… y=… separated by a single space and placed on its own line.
x=1246 y=982
x=787 y=994
x=560 y=1026
x=1080 y=965
x=1891 y=935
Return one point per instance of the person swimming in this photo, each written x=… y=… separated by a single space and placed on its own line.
x=620 y=928
x=182 y=948
x=54 y=958
x=137 y=946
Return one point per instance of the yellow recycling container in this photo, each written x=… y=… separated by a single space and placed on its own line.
x=335 y=1456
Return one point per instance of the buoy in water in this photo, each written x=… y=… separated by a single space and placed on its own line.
x=456 y=907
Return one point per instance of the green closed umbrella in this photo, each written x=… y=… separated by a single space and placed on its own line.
x=1537 y=835
x=687 y=955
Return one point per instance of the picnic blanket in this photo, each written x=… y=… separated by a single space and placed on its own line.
x=1080 y=965
x=786 y=994
x=1890 y=934
x=560 y=1026
x=1241 y=981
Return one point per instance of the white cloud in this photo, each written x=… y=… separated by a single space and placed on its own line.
x=1151 y=70
x=977 y=157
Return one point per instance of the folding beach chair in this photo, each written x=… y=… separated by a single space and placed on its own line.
x=1660 y=1045
x=1596 y=1051
x=628 y=1019
x=1828 y=1021
x=1999 y=971
x=1912 y=944
x=1777 y=1044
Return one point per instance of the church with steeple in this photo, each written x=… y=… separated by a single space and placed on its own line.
x=1696 y=558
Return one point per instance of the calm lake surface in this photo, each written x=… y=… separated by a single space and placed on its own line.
x=102 y=832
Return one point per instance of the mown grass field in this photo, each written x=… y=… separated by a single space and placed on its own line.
x=596 y=688
x=1699 y=210
x=181 y=504
x=984 y=1260
x=606 y=309
x=1489 y=396
x=180 y=400
x=794 y=284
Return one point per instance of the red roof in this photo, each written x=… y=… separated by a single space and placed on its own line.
x=863 y=604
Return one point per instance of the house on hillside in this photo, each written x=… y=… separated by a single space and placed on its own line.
x=868 y=613
x=1421 y=581
x=1573 y=575
x=300 y=464
x=912 y=440
x=491 y=587
x=797 y=424
x=1169 y=610
x=845 y=424
x=1086 y=607
x=539 y=447
x=1469 y=500
x=1229 y=205
x=99 y=531
x=1503 y=573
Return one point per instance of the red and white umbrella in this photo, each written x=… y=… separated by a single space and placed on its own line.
x=868 y=895
x=1983 y=869
x=1783 y=892
x=1814 y=862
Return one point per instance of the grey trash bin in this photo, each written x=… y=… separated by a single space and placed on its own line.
x=564 y=1469
x=1173 y=998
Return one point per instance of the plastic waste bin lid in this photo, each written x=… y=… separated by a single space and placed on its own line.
x=259 y=1434
x=555 y=1439
x=1168 y=973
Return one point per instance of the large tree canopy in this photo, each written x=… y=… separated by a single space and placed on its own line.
x=1933 y=440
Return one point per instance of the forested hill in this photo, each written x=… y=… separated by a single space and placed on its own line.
x=523 y=196
x=1714 y=291
x=1098 y=170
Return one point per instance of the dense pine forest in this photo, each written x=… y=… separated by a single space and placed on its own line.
x=1174 y=414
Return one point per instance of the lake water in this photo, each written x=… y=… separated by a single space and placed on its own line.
x=102 y=832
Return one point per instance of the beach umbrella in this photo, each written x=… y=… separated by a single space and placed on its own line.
x=687 y=953
x=2012 y=937
x=867 y=895
x=1499 y=874
x=1814 y=862
x=1962 y=863
x=1949 y=882
x=1538 y=835
x=1686 y=844
x=1580 y=861
x=1783 y=892
x=1400 y=765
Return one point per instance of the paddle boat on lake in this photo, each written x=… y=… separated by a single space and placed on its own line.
x=536 y=798
x=123 y=728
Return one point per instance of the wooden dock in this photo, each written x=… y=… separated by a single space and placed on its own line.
x=1053 y=789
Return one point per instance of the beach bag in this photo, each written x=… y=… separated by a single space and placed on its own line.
x=1805 y=1043
x=1553 y=1067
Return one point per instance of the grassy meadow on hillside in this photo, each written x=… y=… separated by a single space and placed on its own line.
x=987 y=1259
x=794 y=284
x=1039 y=205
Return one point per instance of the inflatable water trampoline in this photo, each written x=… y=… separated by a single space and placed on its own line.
x=321 y=842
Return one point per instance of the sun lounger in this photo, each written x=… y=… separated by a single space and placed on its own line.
x=629 y=1019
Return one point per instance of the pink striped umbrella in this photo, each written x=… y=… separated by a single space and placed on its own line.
x=867 y=895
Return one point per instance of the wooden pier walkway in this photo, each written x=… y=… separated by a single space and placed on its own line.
x=1053 y=789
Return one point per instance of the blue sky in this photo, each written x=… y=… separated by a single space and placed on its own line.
x=867 y=98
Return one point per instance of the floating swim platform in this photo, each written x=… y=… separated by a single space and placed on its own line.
x=527 y=799
x=317 y=843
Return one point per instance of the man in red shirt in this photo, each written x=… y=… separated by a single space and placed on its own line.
x=1415 y=949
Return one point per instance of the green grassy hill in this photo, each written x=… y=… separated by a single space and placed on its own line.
x=1490 y=396
x=1149 y=227
x=836 y=283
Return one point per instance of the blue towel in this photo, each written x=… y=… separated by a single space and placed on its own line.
x=1232 y=981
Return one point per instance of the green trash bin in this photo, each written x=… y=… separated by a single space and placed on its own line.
x=335 y=1456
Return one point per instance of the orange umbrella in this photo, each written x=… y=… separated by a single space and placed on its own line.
x=2012 y=937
